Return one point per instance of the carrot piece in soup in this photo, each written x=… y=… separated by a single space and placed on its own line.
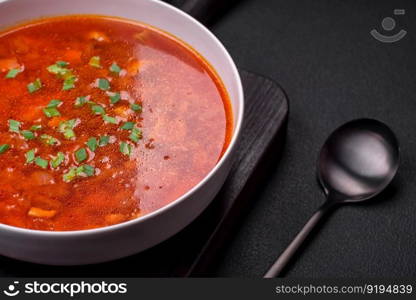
x=41 y=213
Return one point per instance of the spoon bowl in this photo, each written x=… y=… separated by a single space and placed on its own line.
x=358 y=160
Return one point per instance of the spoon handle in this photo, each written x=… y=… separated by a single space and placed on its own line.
x=290 y=251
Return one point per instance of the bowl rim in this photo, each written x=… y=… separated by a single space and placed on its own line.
x=235 y=136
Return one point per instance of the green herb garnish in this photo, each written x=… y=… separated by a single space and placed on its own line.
x=81 y=155
x=43 y=163
x=54 y=103
x=27 y=134
x=70 y=175
x=95 y=62
x=104 y=140
x=85 y=170
x=68 y=124
x=81 y=101
x=67 y=128
x=69 y=83
x=4 y=148
x=59 y=68
x=135 y=135
x=109 y=119
x=13 y=73
x=69 y=134
x=51 y=112
x=115 y=98
x=49 y=140
x=61 y=63
x=136 y=107
x=115 y=68
x=14 y=126
x=127 y=126
x=103 y=84
x=59 y=159
x=125 y=148
x=30 y=156
x=92 y=144
x=36 y=127
x=98 y=109
x=81 y=171
x=34 y=86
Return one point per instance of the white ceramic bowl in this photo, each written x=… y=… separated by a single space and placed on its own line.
x=112 y=242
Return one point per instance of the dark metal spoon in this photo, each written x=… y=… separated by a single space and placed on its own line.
x=357 y=161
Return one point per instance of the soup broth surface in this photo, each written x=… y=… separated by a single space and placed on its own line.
x=102 y=120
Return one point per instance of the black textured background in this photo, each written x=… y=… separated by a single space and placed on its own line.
x=321 y=52
x=333 y=71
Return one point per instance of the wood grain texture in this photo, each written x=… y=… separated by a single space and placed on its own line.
x=194 y=249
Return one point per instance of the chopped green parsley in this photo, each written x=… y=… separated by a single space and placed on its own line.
x=127 y=126
x=67 y=128
x=14 y=126
x=34 y=86
x=81 y=171
x=30 y=156
x=98 y=109
x=81 y=155
x=49 y=140
x=103 y=84
x=136 y=107
x=135 y=135
x=13 y=73
x=54 y=103
x=81 y=101
x=43 y=163
x=114 y=68
x=114 y=98
x=104 y=140
x=27 y=134
x=69 y=83
x=56 y=161
x=125 y=148
x=36 y=127
x=109 y=119
x=4 y=148
x=92 y=144
x=51 y=112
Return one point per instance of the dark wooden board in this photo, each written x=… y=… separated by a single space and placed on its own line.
x=194 y=249
x=262 y=139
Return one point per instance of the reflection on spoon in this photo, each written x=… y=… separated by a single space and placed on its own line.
x=356 y=163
